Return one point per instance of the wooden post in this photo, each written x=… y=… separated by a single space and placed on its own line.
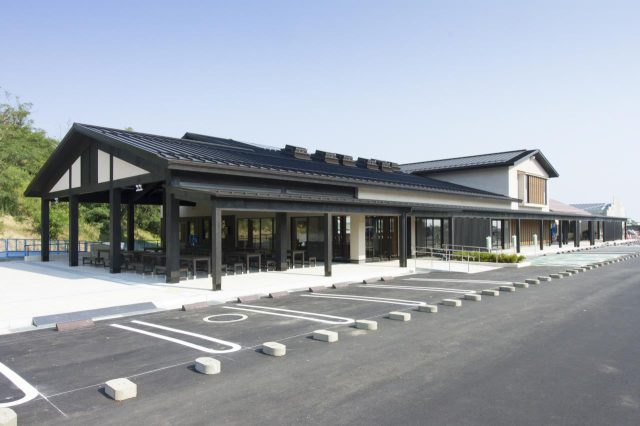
x=542 y=235
x=115 y=230
x=131 y=225
x=216 y=246
x=281 y=242
x=172 y=237
x=328 y=244
x=518 y=236
x=403 y=240
x=44 y=230
x=73 y=230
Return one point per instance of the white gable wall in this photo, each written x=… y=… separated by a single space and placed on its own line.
x=123 y=169
x=494 y=179
x=62 y=184
x=104 y=166
x=76 y=178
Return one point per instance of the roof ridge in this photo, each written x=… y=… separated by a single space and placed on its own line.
x=469 y=156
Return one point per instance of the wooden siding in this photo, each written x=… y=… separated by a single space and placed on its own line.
x=530 y=227
x=536 y=190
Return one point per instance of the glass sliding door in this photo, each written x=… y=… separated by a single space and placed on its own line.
x=431 y=233
x=381 y=238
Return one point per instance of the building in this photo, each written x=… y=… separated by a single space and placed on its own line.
x=235 y=203
x=613 y=209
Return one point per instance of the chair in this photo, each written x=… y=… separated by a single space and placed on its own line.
x=236 y=266
x=313 y=260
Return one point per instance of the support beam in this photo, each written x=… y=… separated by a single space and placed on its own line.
x=560 y=234
x=357 y=244
x=172 y=238
x=281 y=242
x=328 y=244
x=451 y=232
x=402 y=243
x=518 y=236
x=44 y=230
x=131 y=226
x=576 y=234
x=115 y=230
x=592 y=234
x=73 y=230
x=542 y=235
x=216 y=246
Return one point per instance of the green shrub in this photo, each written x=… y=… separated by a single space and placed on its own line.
x=483 y=256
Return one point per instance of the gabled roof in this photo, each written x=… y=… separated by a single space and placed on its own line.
x=593 y=208
x=498 y=159
x=216 y=154
x=560 y=207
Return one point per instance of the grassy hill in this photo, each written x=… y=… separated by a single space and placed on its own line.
x=23 y=150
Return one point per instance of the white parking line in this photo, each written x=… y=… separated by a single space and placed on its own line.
x=407 y=287
x=233 y=346
x=29 y=391
x=368 y=299
x=303 y=315
x=454 y=280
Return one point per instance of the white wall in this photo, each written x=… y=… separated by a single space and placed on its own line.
x=616 y=209
x=494 y=179
x=104 y=166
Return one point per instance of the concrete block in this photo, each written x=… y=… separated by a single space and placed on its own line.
x=8 y=417
x=564 y=274
x=207 y=365
x=543 y=279
x=278 y=294
x=387 y=278
x=556 y=276
x=195 y=306
x=317 y=289
x=532 y=281
x=507 y=288
x=432 y=309
x=249 y=298
x=366 y=325
x=521 y=285
x=455 y=303
x=472 y=297
x=274 y=349
x=399 y=316
x=494 y=293
x=74 y=325
x=371 y=280
x=121 y=389
x=325 y=336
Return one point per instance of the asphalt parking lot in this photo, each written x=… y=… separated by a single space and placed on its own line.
x=390 y=375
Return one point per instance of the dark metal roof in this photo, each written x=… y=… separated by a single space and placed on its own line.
x=211 y=151
x=593 y=208
x=498 y=159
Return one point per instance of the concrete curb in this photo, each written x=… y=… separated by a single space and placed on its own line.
x=399 y=316
x=556 y=276
x=325 y=336
x=278 y=294
x=274 y=349
x=521 y=285
x=74 y=325
x=532 y=281
x=366 y=325
x=371 y=280
x=317 y=289
x=431 y=309
x=8 y=417
x=195 y=306
x=121 y=389
x=207 y=365
x=494 y=293
x=250 y=298
x=507 y=288
x=342 y=285
x=454 y=303
x=473 y=297
x=547 y=279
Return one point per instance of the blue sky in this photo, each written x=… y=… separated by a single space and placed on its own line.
x=397 y=80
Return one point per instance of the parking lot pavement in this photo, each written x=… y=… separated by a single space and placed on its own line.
x=68 y=369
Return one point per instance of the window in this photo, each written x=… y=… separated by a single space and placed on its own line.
x=255 y=233
x=536 y=190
